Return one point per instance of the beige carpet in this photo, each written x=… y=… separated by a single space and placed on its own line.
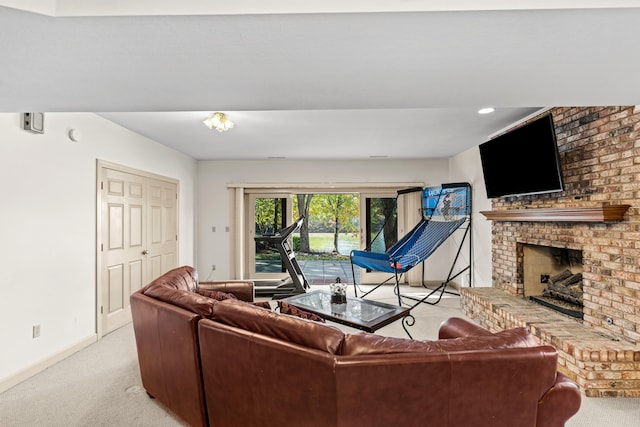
x=100 y=385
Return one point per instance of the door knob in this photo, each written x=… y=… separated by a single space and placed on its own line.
x=145 y=252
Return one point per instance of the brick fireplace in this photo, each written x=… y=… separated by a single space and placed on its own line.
x=600 y=159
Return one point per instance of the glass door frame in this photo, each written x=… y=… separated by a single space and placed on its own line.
x=250 y=254
x=244 y=211
x=375 y=277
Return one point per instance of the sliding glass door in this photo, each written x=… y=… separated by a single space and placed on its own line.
x=335 y=224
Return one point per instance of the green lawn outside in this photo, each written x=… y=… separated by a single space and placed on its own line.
x=321 y=245
x=323 y=242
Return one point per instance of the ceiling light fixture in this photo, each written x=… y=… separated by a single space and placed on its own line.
x=486 y=110
x=219 y=122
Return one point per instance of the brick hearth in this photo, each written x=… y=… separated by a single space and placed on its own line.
x=600 y=364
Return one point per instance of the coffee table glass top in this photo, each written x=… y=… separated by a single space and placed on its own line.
x=359 y=313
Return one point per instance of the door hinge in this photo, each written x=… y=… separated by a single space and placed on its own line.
x=101 y=247
x=102 y=185
x=101 y=310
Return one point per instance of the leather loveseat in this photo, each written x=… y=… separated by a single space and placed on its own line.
x=262 y=368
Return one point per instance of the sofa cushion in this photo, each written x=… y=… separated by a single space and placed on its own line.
x=185 y=299
x=288 y=328
x=216 y=295
x=263 y=304
x=286 y=308
x=366 y=343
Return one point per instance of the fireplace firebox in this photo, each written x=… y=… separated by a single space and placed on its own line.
x=552 y=277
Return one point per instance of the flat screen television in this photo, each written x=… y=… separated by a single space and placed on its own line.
x=522 y=161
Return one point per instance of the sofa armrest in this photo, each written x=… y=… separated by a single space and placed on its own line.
x=242 y=289
x=456 y=327
x=559 y=403
x=166 y=338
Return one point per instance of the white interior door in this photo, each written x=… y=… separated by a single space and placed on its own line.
x=137 y=238
x=162 y=227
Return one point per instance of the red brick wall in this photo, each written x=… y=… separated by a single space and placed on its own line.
x=600 y=158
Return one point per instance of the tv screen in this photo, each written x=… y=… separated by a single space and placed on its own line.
x=522 y=161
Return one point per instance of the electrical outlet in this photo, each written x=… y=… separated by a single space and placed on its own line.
x=36 y=331
x=213 y=267
x=544 y=278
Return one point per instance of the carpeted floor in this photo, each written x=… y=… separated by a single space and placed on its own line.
x=100 y=385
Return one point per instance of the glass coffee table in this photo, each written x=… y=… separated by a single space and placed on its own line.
x=363 y=314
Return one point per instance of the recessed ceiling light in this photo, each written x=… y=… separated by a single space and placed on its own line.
x=486 y=110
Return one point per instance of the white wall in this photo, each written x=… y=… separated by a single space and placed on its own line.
x=47 y=220
x=466 y=167
x=47 y=224
x=214 y=200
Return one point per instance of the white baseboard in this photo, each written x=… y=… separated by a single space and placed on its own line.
x=15 y=379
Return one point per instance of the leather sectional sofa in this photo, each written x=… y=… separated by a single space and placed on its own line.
x=166 y=314
x=221 y=361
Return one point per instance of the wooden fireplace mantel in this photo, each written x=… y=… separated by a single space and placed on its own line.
x=603 y=213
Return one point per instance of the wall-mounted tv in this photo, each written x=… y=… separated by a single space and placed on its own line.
x=522 y=161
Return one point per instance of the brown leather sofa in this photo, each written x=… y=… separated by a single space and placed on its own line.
x=261 y=368
x=165 y=314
